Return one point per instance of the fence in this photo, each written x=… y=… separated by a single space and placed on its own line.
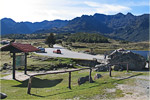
x=117 y=64
x=68 y=71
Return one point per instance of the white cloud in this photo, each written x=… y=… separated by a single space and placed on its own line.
x=107 y=8
x=39 y=10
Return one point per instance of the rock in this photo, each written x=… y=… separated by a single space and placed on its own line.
x=71 y=65
x=5 y=66
x=122 y=57
x=101 y=67
x=147 y=87
x=3 y=95
x=97 y=76
x=82 y=80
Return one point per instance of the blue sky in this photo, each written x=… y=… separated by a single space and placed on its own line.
x=39 y=10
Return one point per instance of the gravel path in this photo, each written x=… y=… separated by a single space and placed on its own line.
x=139 y=91
x=19 y=75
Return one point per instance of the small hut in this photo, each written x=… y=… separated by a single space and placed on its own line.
x=19 y=48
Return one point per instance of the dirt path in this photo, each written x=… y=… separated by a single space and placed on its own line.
x=21 y=76
x=138 y=91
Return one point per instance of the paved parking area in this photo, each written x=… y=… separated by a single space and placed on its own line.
x=69 y=54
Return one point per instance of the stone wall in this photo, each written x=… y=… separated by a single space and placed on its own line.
x=135 y=61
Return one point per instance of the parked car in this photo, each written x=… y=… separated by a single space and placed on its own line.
x=57 y=51
x=42 y=50
x=3 y=42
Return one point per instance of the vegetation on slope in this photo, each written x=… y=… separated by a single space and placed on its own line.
x=87 y=38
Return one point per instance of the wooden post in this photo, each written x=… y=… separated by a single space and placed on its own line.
x=91 y=50
x=29 y=85
x=25 y=66
x=69 y=80
x=127 y=68
x=109 y=70
x=14 y=65
x=90 y=78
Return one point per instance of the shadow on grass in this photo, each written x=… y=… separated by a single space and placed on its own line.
x=39 y=83
x=130 y=76
x=112 y=82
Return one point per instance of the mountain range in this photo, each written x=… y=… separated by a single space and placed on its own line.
x=125 y=27
x=9 y=26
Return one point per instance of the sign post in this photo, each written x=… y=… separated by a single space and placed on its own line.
x=25 y=66
x=21 y=60
x=110 y=70
x=14 y=64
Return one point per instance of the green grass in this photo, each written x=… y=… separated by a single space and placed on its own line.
x=101 y=48
x=129 y=93
x=55 y=86
x=2 y=75
x=36 y=64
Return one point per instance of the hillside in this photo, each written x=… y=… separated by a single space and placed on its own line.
x=124 y=27
x=87 y=38
x=9 y=26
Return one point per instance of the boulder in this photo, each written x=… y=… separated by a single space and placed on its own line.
x=97 y=76
x=82 y=80
x=122 y=57
x=6 y=66
x=3 y=95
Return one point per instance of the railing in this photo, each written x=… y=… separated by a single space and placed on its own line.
x=68 y=71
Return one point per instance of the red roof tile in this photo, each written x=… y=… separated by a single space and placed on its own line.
x=19 y=47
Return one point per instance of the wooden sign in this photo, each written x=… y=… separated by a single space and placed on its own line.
x=20 y=60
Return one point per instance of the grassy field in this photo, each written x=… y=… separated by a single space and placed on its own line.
x=54 y=87
x=98 y=48
x=37 y=62
x=101 y=48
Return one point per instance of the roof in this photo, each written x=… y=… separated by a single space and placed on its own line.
x=18 y=47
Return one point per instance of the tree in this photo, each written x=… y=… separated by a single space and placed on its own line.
x=12 y=41
x=50 y=40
